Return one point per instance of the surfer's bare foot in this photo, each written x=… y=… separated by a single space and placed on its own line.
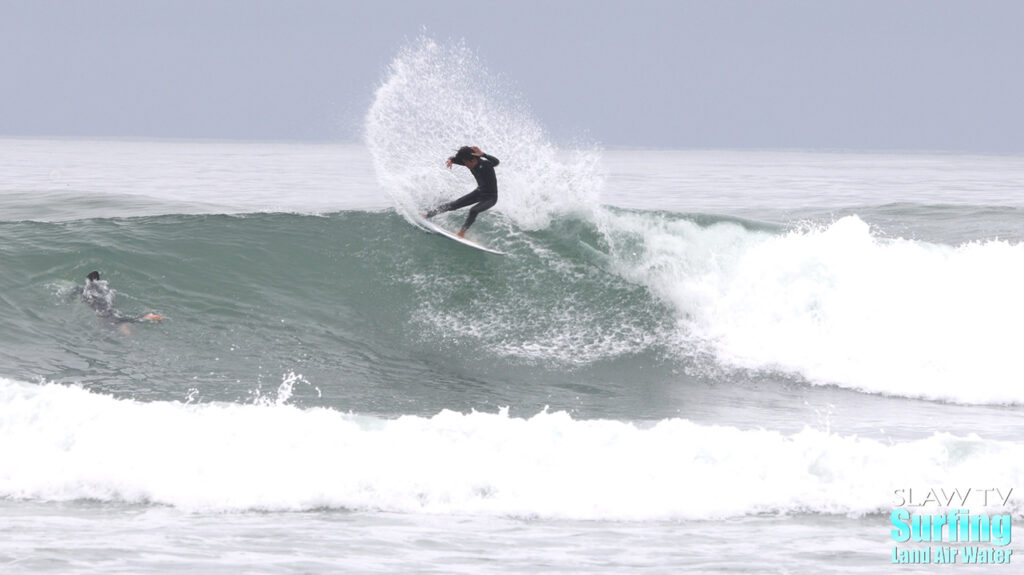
x=462 y=234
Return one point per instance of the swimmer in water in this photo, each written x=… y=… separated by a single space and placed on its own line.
x=100 y=298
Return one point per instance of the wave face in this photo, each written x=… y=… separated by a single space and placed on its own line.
x=358 y=300
x=364 y=294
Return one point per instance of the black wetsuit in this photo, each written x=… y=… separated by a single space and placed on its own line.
x=484 y=196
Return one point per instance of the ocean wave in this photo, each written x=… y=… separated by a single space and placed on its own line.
x=62 y=443
x=828 y=304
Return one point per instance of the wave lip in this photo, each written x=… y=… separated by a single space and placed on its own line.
x=64 y=443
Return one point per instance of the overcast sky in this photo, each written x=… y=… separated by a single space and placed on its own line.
x=881 y=75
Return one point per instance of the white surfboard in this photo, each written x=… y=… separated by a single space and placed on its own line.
x=432 y=227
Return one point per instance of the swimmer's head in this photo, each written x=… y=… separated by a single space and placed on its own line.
x=93 y=276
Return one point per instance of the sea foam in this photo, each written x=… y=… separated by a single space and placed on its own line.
x=65 y=443
x=835 y=304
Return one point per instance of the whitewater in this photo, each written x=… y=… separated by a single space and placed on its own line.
x=690 y=361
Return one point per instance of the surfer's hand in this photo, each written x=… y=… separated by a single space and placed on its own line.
x=477 y=151
x=153 y=317
x=448 y=163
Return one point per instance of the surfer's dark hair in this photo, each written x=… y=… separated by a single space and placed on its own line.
x=93 y=276
x=464 y=155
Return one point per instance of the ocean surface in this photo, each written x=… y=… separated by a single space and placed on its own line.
x=689 y=362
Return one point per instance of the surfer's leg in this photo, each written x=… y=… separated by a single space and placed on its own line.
x=484 y=205
x=468 y=199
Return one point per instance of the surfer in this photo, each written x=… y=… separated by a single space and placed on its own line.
x=485 y=195
x=100 y=298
